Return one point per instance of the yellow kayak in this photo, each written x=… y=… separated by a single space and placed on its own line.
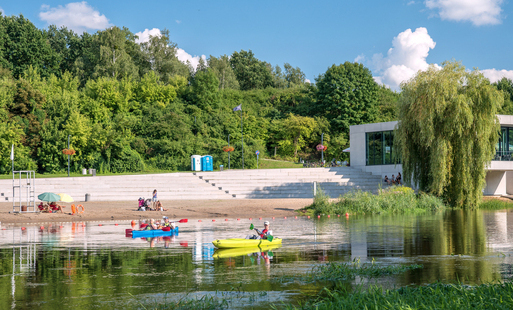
x=243 y=243
x=223 y=253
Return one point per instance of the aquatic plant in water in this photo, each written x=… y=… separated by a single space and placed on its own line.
x=434 y=296
x=335 y=271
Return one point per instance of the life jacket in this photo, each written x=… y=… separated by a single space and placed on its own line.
x=264 y=232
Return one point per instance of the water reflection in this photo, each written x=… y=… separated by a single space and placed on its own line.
x=84 y=265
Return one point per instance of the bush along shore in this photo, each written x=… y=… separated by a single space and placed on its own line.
x=395 y=199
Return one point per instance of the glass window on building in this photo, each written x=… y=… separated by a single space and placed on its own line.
x=504 y=148
x=380 y=148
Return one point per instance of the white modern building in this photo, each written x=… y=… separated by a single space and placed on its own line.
x=372 y=150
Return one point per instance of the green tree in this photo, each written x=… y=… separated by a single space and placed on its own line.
x=205 y=87
x=294 y=76
x=347 y=95
x=447 y=132
x=506 y=86
x=27 y=47
x=161 y=57
x=66 y=44
x=293 y=133
x=115 y=45
x=387 y=104
x=224 y=72
x=278 y=77
x=251 y=73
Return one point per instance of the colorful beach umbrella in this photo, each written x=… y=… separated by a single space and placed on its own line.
x=65 y=197
x=49 y=197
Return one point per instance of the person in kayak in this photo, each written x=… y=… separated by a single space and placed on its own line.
x=167 y=223
x=152 y=225
x=261 y=234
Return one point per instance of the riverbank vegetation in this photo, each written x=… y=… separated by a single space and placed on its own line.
x=434 y=296
x=394 y=199
x=496 y=204
x=373 y=296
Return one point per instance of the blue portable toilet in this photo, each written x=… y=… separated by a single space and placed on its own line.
x=196 y=162
x=207 y=164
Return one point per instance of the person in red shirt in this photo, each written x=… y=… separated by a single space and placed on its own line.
x=263 y=234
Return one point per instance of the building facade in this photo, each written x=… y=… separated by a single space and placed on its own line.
x=372 y=150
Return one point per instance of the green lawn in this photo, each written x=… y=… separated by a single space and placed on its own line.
x=262 y=164
x=277 y=164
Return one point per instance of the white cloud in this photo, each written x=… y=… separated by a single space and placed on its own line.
x=479 y=12
x=144 y=36
x=2 y=11
x=308 y=81
x=406 y=57
x=78 y=16
x=495 y=75
x=183 y=56
x=178 y=21
x=360 y=59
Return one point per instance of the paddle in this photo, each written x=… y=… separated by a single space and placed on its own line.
x=269 y=237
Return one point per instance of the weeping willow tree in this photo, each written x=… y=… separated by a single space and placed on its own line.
x=447 y=132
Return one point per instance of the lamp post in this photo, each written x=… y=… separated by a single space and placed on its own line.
x=322 y=152
x=242 y=137
x=68 y=154
x=229 y=152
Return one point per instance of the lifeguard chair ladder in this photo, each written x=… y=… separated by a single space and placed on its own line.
x=24 y=191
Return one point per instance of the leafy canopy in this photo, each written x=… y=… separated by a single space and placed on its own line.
x=447 y=131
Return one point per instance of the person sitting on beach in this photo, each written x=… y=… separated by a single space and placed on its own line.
x=386 y=180
x=160 y=207
x=55 y=207
x=43 y=207
x=393 y=179
x=398 y=179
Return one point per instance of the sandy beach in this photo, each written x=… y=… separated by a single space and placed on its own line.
x=177 y=209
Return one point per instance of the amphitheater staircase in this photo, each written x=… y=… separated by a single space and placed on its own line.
x=228 y=184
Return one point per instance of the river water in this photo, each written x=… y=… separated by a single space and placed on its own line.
x=92 y=265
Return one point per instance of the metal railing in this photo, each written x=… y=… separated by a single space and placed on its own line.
x=503 y=156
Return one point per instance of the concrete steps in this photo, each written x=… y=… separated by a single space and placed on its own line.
x=233 y=184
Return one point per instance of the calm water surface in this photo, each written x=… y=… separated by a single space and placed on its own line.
x=86 y=266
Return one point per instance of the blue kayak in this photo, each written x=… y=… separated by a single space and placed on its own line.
x=153 y=233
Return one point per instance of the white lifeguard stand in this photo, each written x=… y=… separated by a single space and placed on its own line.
x=24 y=191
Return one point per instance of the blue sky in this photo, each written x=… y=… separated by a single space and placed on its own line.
x=394 y=39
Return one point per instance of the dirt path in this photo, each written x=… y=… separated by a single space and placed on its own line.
x=178 y=209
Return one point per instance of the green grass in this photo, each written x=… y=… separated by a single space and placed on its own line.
x=76 y=174
x=495 y=204
x=395 y=199
x=277 y=164
x=263 y=164
x=434 y=296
